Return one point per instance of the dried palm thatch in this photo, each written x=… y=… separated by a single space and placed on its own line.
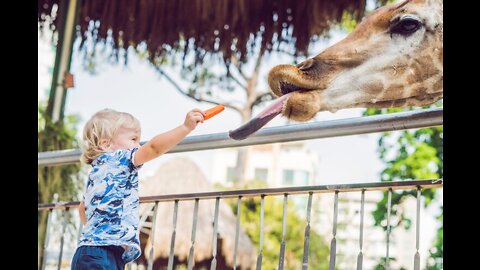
x=181 y=175
x=227 y=27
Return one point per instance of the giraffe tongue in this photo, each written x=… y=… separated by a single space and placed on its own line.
x=260 y=120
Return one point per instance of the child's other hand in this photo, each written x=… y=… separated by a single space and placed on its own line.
x=193 y=118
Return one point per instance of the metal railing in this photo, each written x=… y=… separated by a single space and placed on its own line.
x=343 y=127
x=418 y=185
x=297 y=132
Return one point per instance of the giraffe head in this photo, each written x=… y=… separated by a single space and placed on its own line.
x=393 y=58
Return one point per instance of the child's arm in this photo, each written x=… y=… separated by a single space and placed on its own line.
x=162 y=143
x=81 y=211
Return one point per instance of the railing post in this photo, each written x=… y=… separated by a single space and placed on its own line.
x=174 y=231
x=333 y=243
x=152 y=236
x=64 y=226
x=194 y=230
x=360 y=254
x=416 y=263
x=306 y=243
x=262 y=213
x=237 y=232
x=389 y=229
x=213 y=266
x=284 y=231
x=47 y=238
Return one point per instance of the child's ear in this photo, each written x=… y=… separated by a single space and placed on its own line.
x=105 y=143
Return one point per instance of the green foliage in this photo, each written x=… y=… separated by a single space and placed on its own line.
x=383 y=261
x=435 y=262
x=379 y=3
x=272 y=232
x=348 y=22
x=57 y=179
x=414 y=154
x=60 y=180
x=205 y=82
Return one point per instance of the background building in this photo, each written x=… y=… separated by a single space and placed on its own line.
x=278 y=165
x=293 y=164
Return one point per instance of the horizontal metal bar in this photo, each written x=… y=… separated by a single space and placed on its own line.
x=409 y=184
x=297 y=132
x=61 y=157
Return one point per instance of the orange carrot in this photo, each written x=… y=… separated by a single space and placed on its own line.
x=213 y=111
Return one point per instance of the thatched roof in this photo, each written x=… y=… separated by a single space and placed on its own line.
x=220 y=26
x=181 y=175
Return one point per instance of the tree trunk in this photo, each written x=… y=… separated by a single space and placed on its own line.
x=42 y=226
x=45 y=197
x=243 y=155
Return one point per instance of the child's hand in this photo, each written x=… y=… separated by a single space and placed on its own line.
x=193 y=118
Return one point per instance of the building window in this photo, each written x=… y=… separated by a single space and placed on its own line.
x=287 y=177
x=261 y=174
x=231 y=175
x=301 y=178
x=297 y=178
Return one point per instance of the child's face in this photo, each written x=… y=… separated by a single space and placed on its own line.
x=125 y=139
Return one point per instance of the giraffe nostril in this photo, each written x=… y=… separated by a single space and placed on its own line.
x=305 y=65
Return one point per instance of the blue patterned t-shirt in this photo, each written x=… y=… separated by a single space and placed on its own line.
x=111 y=203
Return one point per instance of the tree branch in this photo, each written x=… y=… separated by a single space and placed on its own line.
x=286 y=52
x=237 y=81
x=259 y=97
x=235 y=62
x=259 y=59
x=181 y=91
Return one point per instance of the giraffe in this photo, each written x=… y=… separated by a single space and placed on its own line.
x=393 y=58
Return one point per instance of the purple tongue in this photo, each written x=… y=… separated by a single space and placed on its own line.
x=260 y=120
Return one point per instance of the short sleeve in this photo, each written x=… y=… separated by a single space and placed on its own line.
x=135 y=168
x=124 y=159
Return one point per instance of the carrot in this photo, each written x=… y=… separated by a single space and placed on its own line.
x=213 y=111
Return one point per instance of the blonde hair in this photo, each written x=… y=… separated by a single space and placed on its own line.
x=104 y=125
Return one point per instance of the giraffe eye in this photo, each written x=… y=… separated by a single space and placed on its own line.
x=406 y=26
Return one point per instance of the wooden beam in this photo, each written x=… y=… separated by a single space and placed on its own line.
x=62 y=78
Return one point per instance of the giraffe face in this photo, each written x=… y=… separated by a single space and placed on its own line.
x=393 y=58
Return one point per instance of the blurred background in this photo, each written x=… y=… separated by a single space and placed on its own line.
x=159 y=59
